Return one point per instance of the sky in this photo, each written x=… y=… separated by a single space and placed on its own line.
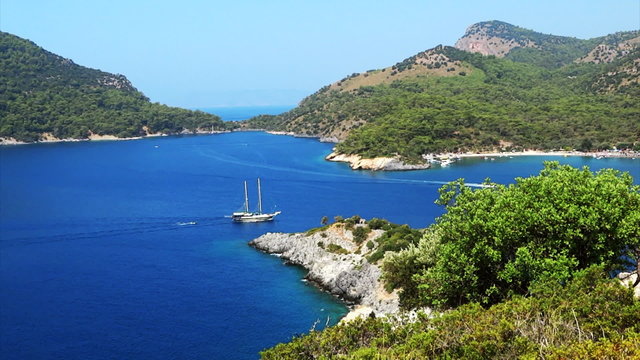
x=199 y=53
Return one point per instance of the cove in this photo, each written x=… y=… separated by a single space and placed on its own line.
x=99 y=259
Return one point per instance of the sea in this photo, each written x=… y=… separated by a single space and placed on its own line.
x=124 y=249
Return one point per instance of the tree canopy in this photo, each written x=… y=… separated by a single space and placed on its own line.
x=470 y=102
x=497 y=241
x=590 y=317
x=45 y=93
x=513 y=271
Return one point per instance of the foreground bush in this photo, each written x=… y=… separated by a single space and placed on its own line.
x=590 y=317
x=495 y=242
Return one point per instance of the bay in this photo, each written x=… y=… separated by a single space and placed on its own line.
x=238 y=113
x=99 y=257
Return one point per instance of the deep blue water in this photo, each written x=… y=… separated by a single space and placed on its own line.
x=94 y=263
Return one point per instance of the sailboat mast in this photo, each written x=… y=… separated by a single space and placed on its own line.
x=246 y=198
x=259 y=198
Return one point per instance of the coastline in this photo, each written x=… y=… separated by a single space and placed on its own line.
x=323 y=139
x=346 y=274
x=603 y=154
x=48 y=138
x=375 y=164
x=381 y=163
x=356 y=162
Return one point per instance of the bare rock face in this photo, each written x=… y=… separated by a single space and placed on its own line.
x=347 y=275
x=116 y=81
x=491 y=38
x=379 y=163
x=630 y=279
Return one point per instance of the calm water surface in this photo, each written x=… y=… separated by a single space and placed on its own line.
x=98 y=258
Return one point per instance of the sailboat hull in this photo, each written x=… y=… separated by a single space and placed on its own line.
x=253 y=217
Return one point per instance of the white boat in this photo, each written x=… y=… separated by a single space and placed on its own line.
x=446 y=162
x=248 y=216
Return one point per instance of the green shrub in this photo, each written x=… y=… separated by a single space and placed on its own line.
x=496 y=241
x=377 y=224
x=396 y=238
x=360 y=234
x=336 y=249
x=316 y=230
x=591 y=317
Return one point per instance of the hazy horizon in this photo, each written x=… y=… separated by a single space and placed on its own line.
x=252 y=53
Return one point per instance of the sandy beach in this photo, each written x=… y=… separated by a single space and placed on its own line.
x=596 y=154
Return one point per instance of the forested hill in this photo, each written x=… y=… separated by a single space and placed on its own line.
x=531 y=91
x=47 y=96
x=550 y=51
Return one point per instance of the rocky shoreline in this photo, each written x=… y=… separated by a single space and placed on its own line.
x=346 y=273
x=324 y=139
x=356 y=162
x=376 y=164
x=49 y=138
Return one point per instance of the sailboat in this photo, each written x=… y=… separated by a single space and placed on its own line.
x=246 y=215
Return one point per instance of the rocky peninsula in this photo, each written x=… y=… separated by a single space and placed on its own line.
x=379 y=163
x=336 y=263
x=356 y=162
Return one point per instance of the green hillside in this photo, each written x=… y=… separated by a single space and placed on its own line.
x=43 y=93
x=446 y=99
x=524 y=45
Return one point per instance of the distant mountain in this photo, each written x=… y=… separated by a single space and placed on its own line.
x=514 y=88
x=519 y=44
x=46 y=96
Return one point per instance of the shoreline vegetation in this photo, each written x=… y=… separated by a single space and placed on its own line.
x=344 y=258
x=508 y=271
x=49 y=98
x=356 y=162
x=500 y=87
x=337 y=263
x=48 y=138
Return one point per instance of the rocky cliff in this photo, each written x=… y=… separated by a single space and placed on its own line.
x=337 y=264
x=493 y=38
x=519 y=44
x=379 y=163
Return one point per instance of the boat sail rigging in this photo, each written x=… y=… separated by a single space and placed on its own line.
x=248 y=216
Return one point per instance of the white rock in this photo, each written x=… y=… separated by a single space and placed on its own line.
x=348 y=276
x=630 y=279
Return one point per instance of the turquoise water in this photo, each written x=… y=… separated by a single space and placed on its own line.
x=98 y=259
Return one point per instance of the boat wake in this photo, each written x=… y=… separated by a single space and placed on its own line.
x=95 y=229
x=356 y=177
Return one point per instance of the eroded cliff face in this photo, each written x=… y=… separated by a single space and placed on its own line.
x=485 y=45
x=345 y=273
x=491 y=39
x=379 y=163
